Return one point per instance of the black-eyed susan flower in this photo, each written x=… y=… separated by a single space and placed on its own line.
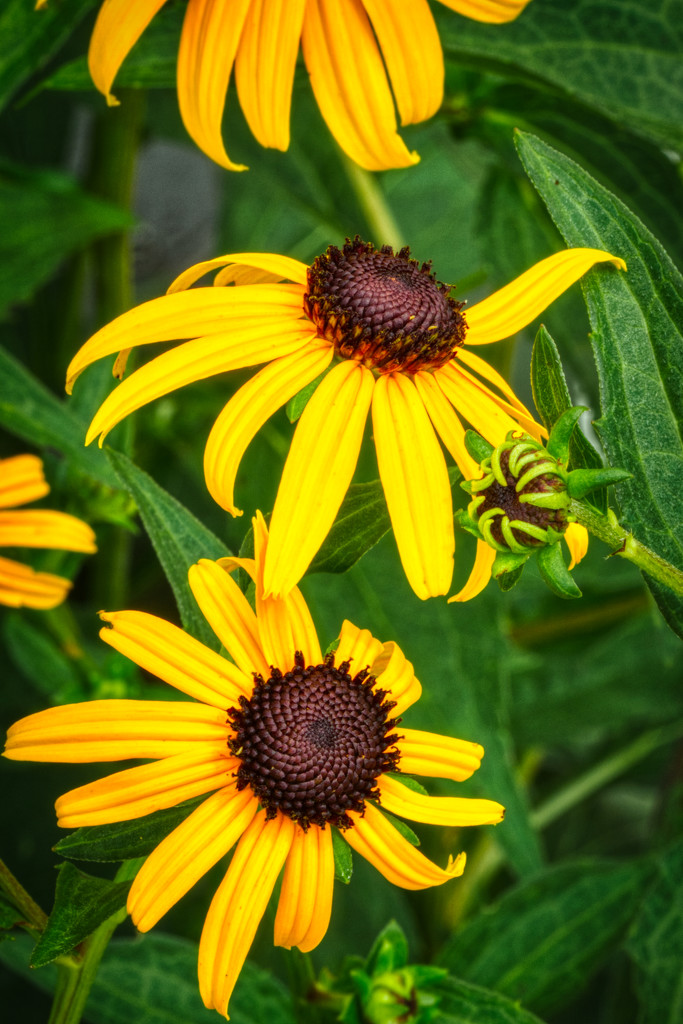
x=391 y=338
x=365 y=58
x=288 y=742
x=22 y=481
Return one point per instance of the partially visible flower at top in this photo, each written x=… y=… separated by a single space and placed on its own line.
x=349 y=47
x=395 y=341
x=288 y=742
x=22 y=481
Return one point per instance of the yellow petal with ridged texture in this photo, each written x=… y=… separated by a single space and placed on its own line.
x=113 y=730
x=440 y=757
x=358 y=646
x=191 y=850
x=119 y=25
x=197 y=360
x=480 y=575
x=171 y=654
x=415 y=480
x=305 y=904
x=321 y=462
x=280 y=267
x=21 y=480
x=513 y=307
x=229 y=614
x=485 y=370
x=350 y=84
x=147 y=788
x=395 y=674
x=446 y=423
x=264 y=67
x=475 y=404
x=23 y=587
x=492 y=11
x=43 y=528
x=374 y=838
x=576 y=537
x=437 y=810
x=409 y=41
x=208 y=44
x=239 y=905
x=524 y=419
x=190 y=314
x=248 y=410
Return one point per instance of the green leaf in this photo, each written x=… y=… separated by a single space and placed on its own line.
x=179 y=540
x=82 y=902
x=389 y=950
x=477 y=446
x=561 y=433
x=10 y=917
x=463 y=1003
x=545 y=939
x=555 y=573
x=42 y=660
x=637 y=322
x=581 y=481
x=343 y=858
x=295 y=406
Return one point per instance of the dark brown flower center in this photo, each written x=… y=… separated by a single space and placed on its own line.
x=383 y=308
x=313 y=742
x=506 y=501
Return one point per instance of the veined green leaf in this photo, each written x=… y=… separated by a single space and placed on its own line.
x=343 y=858
x=464 y=1003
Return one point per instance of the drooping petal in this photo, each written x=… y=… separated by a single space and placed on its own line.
x=513 y=307
x=239 y=904
x=119 y=25
x=173 y=655
x=358 y=646
x=248 y=410
x=374 y=838
x=413 y=472
x=149 y=787
x=114 y=730
x=305 y=904
x=441 y=757
x=23 y=587
x=520 y=415
x=264 y=67
x=475 y=404
x=410 y=45
x=321 y=462
x=282 y=268
x=211 y=35
x=185 y=855
x=485 y=370
x=21 y=480
x=493 y=11
x=480 y=575
x=437 y=810
x=43 y=528
x=576 y=537
x=395 y=674
x=350 y=84
x=446 y=422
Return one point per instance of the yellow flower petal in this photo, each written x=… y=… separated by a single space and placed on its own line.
x=480 y=575
x=475 y=404
x=191 y=850
x=576 y=537
x=350 y=84
x=441 y=757
x=119 y=25
x=485 y=370
x=113 y=730
x=238 y=906
x=321 y=462
x=279 y=267
x=518 y=303
x=395 y=674
x=374 y=838
x=437 y=810
x=413 y=472
x=493 y=11
x=149 y=787
x=358 y=646
x=23 y=587
x=173 y=655
x=43 y=528
x=446 y=422
x=21 y=480
x=305 y=904
x=521 y=416
x=264 y=67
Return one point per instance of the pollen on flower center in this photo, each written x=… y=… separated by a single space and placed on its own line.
x=383 y=308
x=313 y=741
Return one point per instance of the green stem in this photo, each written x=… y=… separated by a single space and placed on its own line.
x=607 y=529
x=36 y=919
x=372 y=200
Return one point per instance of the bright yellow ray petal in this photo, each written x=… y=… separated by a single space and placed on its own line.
x=350 y=84
x=238 y=906
x=475 y=404
x=23 y=587
x=149 y=787
x=321 y=462
x=358 y=646
x=280 y=267
x=172 y=655
x=208 y=45
x=113 y=730
x=485 y=370
x=480 y=575
x=446 y=422
x=413 y=472
x=185 y=855
x=410 y=45
x=493 y=11
x=437 y=810
x=305 y=904
x=43 y=528
x=576 y=537
x=248 y=410
x=441 y=757
x=374 y=838
x=518 y=303
x=395 y=674
x=264 y=67
x=119 y=25
x=21 y=480
x=519 y=415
